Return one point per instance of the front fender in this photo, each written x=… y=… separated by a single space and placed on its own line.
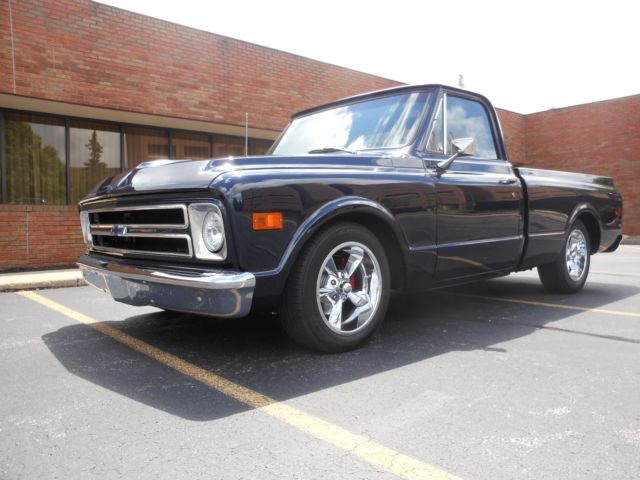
x=325 y=214
x=271 y=283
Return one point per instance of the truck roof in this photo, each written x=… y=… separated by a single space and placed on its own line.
x=387 y=91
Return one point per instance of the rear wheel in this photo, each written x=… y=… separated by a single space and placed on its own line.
x=569 y=272
x=338 y=290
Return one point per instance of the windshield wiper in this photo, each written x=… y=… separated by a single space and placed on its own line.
x=331 y=150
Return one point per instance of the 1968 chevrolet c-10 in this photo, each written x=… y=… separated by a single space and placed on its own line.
x=408 y=188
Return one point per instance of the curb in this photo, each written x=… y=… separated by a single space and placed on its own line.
x=36 y=280
x=630 y=240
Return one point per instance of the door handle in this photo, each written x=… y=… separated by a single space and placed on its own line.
x=508 y=180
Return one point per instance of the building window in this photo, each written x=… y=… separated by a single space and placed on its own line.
x=259 y=147
x=226 y=146
x=94 y=151
x=144 y=144
x=193 y=146
x=35 y=159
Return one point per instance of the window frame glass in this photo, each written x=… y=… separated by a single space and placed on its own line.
x=187 y=139
x=412 y=132
x=38 y=177
x=147 y=136
x=65 y=155
x=112 y=166
x=493 y=128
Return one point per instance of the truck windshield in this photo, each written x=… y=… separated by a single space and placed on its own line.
x=384 y=122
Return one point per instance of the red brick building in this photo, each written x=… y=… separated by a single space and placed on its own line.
x=87 y=90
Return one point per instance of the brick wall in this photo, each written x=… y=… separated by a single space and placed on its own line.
x=86 y=53
x=601 y=138
x=513 y=131
x=36 y=236
x=81 y=52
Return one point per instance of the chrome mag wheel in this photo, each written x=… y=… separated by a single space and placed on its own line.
x=348 y=288
x=576 y=254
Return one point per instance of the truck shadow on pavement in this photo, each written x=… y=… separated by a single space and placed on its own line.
x=256 y=353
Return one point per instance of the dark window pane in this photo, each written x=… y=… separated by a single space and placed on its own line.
x=95 y=155
x=466 y=118
x=259 y=147
x=143 y=144
x=224 y=146
x=35 y=156
x=194 y=146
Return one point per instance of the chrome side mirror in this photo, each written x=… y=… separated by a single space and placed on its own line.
x=461 y=147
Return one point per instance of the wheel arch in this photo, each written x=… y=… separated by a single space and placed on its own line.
x=365 y=212
x=589 y=218
x=385 y=234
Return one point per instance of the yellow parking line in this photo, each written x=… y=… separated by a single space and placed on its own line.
x=368 y=450
x=621 y=313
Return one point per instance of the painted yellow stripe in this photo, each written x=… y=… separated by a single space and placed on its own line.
x=372 y=452
x=621 y=313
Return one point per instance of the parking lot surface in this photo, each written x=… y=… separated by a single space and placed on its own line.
x=494 y=380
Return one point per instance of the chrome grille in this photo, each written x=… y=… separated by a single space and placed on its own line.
x=141 y=230
x=158 y=216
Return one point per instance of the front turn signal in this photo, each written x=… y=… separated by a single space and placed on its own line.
x=267 y=220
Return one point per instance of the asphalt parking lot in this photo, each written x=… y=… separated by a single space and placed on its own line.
x=495 y=380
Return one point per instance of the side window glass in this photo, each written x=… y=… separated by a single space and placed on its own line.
x=435 y=143
x=467 y=118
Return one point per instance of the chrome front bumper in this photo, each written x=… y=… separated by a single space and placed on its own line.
x=219 y=293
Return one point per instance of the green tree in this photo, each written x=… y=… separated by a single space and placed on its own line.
x=94 y=165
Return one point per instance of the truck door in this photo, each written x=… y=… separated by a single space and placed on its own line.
x=479 y=218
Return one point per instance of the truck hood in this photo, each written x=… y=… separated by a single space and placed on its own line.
x=162 y=175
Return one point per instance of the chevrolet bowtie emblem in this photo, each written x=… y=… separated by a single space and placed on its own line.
x=118 y=230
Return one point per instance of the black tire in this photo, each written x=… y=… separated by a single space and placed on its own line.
x=556 y=277
x=301 y=311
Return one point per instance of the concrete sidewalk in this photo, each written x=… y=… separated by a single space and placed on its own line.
x=43 y=279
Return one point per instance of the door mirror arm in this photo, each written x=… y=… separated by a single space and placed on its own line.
x=461 y=147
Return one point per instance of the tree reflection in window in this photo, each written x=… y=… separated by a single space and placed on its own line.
x=35 y=164
x=94 y=155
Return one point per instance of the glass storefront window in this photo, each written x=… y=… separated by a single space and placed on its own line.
x=94 y=150
x=35 y=159
x=259 y=147
x=227 y=146
x=144 y=144
x=193 y=146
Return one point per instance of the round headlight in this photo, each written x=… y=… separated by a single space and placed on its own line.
x=213 y=231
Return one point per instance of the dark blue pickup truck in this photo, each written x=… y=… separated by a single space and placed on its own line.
x=408 y=188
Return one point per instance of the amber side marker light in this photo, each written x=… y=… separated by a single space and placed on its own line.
x=267 y=220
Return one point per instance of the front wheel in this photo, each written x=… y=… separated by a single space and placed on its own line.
x=569 y=272
x=338 y=290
